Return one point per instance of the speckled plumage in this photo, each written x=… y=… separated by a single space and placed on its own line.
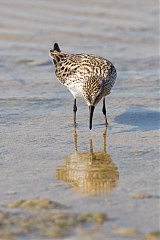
x=85 y=75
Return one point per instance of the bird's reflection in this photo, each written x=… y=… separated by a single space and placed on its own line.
x=90 y=172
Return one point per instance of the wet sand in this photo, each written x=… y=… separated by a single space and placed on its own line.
x=119 y=180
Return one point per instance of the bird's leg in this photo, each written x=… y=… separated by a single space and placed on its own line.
x=104 y=112
x=74 y=112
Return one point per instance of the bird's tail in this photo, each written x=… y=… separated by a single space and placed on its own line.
x=56 y=47
x=56 y=54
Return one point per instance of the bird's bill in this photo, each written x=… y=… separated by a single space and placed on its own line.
x=91 y=110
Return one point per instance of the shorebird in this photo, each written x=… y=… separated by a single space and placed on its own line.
x=85 y=75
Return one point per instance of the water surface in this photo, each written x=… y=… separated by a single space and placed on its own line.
x=37 y=149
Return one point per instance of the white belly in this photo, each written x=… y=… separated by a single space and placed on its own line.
x=76 y=91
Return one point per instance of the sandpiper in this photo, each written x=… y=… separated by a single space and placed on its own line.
x=85 y=75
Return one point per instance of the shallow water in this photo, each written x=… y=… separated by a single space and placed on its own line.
x=37 y=147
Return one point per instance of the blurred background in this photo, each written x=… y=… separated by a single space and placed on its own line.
x=125 y=32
